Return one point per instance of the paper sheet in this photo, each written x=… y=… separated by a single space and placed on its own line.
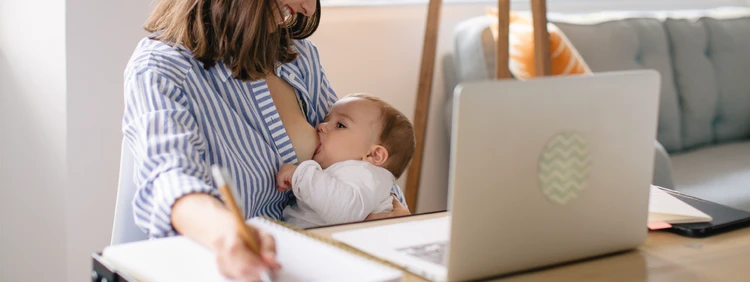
x=664 y=207
x=302 y=259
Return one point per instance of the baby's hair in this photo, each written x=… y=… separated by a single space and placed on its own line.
x=396 y=135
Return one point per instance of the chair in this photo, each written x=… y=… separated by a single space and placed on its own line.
x=124 y=229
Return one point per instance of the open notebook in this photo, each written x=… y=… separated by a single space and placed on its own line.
x=302 y=258
x=663 y=207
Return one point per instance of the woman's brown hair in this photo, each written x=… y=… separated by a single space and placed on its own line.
x=243 y=34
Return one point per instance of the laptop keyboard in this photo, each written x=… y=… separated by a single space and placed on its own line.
x=432 y=252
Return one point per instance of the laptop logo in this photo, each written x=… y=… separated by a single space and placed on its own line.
x=564 y=167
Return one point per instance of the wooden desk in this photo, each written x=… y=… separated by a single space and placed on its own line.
x=663 y=257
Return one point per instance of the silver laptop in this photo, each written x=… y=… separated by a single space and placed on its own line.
x=542 y=171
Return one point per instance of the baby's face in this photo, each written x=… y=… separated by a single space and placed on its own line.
x=349 y=131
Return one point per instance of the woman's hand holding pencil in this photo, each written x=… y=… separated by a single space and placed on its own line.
x=244 y=252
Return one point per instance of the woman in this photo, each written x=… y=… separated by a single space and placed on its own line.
x=227 y=82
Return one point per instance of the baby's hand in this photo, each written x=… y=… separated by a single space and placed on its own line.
x=284 y=177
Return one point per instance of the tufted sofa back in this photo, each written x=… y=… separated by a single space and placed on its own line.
x=703 y=57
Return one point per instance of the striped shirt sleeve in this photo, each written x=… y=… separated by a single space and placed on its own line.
x=395 y=190
x=165 y=141
x=324 y=91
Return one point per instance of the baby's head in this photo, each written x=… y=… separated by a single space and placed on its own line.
x=364 y=127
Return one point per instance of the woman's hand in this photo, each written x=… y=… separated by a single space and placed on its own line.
x=398 y=210
x=204 y=219
x=236 y=260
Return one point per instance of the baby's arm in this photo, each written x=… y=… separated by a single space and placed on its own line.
x=284 y=177
x=344 y=197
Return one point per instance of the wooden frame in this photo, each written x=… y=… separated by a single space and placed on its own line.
x=422 y=106
x=427 y=70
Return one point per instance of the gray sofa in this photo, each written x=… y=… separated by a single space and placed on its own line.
x=704 y=60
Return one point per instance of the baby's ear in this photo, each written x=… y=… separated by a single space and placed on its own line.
x=378 y=155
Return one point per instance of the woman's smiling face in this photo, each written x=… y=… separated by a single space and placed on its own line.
x=292 y=7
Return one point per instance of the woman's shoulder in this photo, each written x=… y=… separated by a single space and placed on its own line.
x=308 y=52
x=305 y=47
x=160 y=57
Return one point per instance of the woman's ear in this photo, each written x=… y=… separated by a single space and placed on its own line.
x=378 y=155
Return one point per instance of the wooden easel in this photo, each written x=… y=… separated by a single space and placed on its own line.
x=427 y=70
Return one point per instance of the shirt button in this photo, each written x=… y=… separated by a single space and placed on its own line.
x=292 y=76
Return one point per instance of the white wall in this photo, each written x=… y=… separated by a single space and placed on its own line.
x=32 y=139
x=101 y=36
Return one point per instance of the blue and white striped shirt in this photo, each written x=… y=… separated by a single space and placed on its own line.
x=181 y=118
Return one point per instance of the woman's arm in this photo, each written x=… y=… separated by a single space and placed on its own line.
x=398 y=210
x=166 y=142
x=399 y=206
x=175 y=193
x=202 y=218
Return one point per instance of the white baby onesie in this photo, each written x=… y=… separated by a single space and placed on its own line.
x=345 y=192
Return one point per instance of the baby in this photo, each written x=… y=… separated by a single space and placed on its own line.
x=365 y=145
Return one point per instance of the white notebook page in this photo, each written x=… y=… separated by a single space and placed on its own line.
x=664 y=207
x=302 y=259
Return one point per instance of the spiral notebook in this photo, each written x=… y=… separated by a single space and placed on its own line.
x=303 y=258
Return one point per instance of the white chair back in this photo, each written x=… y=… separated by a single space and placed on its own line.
x=124 y=229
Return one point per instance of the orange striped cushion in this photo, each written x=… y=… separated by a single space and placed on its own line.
x=564 y=59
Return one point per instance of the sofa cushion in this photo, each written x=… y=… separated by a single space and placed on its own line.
x=695 y=77
x=632 y=43
x=716 y=173
x=474 y=56
x=729 y=50
x=711 y=63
